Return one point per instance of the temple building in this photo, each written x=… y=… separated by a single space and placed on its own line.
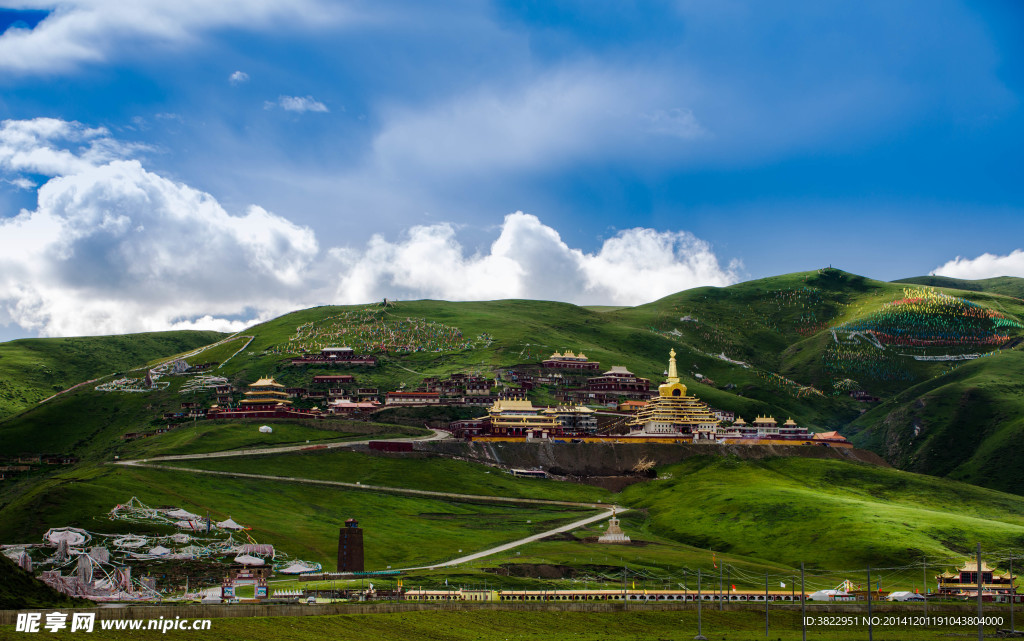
x=518 y=417
x=619 y=380
x=568 y=360
x=965 y=581
x=672 y=412
x=264 y=394
x=412 y=398
x=574 y=418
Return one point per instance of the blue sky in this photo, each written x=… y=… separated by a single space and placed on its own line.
x=177 y=165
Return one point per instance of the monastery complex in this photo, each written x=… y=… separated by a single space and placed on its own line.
x=613 y=406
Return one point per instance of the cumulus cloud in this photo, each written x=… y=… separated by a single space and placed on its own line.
x=297 y=103
x=89 y=31
x=113 y=247
x=984 y=266
x=238 y=78
x=529 y=260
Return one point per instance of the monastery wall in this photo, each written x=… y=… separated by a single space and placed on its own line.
x=609 y=459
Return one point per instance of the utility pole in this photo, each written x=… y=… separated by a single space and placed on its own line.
x=870 y=627
x=1013 y=594
x=765 y=604
x=981 y=615
x=700 y=636
x=803 y=602
x=624 y=599
x=924 y=576
x=720 y=595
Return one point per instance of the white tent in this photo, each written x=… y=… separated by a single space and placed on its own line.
x=159 y=551
x=181 y=514
x=830 y=595
x=905 y=596
x=230 y=525
x=266 y=429
x=248 y=559
x=297 y=568
x=181 y=537
x=69 y=535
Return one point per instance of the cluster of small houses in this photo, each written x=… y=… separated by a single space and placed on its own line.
x=12 y=467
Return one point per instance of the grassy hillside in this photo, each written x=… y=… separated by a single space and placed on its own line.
x=1005 y=285
x=32 y=369
x=789 y=346
x=965 y=424
x=830 y=514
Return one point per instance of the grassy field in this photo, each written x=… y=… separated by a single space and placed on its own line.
x=537 y=625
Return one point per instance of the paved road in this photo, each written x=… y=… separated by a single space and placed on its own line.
x=436 y=435
x=530 y=539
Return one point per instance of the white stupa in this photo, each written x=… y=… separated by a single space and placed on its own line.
x=614 y=533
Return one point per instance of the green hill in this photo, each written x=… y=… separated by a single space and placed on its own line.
x=795 y=346
x=829 y=513
x=965 y=424
x=32 y=369
x=1005 y=285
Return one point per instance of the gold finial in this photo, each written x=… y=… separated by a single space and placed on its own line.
x=673 y=375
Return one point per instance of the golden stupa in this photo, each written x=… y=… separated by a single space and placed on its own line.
x=672 y=411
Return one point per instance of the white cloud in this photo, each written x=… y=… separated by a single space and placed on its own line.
x=112 y=247
x=569 y=113
x=52 y=147
x=984 y=266
x=529 y=260
x=297 y=104
x=238 y=78
x=89 y=31
x=20 y=182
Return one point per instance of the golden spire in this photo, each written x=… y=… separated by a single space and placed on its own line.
x=673 y=376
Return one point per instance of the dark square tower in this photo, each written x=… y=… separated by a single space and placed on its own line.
x=350 y=547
